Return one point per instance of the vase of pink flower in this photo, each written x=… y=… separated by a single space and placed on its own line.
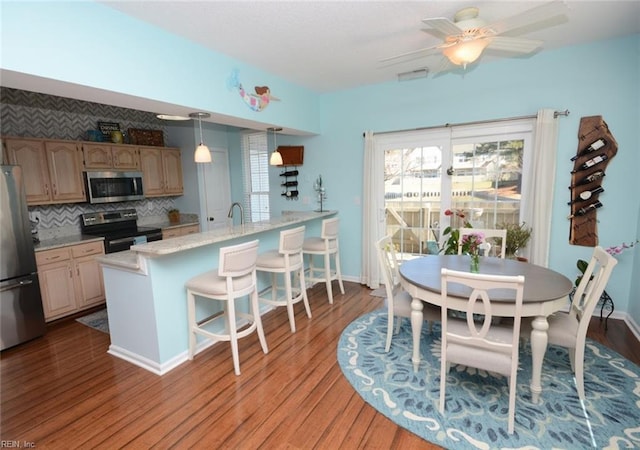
x=471 y=246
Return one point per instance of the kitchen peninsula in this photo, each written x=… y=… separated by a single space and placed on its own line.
x=146 y=298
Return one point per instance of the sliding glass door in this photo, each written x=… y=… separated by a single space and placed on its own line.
x=474 y=171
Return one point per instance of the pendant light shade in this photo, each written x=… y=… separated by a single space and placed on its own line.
x=276 y=157
x=202 y=154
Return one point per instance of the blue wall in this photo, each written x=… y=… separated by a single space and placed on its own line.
x=63 y=41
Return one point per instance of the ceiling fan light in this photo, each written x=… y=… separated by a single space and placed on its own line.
x=202 y=154
x=466 y=52
x=275 y=159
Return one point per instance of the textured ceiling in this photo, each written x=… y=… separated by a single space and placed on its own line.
x=334 y=45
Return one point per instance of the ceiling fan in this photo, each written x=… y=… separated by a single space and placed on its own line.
x=468 y=35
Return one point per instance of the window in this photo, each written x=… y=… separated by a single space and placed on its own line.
x=478 y=169
x=256 y=176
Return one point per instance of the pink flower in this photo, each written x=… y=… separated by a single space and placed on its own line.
x=617 y=249
x=471 y=242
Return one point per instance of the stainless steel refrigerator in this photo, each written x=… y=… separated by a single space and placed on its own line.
x=20 y=301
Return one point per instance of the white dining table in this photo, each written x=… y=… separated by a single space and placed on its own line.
x=545 y=292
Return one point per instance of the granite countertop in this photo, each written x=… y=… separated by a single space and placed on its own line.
x=180 y=243
x=64 y=241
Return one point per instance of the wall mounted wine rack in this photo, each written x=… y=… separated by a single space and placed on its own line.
x=596 y=147
x=290 y=183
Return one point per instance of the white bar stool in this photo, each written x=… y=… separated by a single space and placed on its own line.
x=234 y=278
x=327 y=246
x=287 y=260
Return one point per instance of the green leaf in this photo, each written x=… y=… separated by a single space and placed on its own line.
x=582 y=265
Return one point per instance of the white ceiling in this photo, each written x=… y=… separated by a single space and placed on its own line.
x=333 y=45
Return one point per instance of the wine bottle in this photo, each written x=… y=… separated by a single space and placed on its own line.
x=591 y=162
x=597 y=175
x=586 y=209
x=289 y=183
x=595 y=145
x=289 y=173
x=586 y=195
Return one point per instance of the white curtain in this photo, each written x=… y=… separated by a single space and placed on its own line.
x=372 y=210
x=538 y=191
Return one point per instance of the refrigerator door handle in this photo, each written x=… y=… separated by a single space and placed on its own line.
x=19 y=284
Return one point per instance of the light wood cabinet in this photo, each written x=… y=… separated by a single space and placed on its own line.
x=30 y=154
x=70 y=279
x=52 y=170
x=105 y=156
x=180 y=231
x=162 y=171
x=65 y=170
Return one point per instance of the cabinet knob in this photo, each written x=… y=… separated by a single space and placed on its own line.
x=211 y=219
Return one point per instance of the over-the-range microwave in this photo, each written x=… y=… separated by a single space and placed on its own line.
x=114 y=186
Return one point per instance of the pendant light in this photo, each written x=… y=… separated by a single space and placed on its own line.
x=276 y=157
x=202 y=154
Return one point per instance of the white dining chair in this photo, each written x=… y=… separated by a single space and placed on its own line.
x=491 y=237
x=475 y=341
x=397 y=300
x=569 y=330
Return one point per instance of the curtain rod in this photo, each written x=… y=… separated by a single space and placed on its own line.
x=446 y=125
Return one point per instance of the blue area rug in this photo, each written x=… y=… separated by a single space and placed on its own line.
x=97 y=320
x=477 y=401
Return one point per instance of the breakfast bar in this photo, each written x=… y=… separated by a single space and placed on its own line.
x=144 y=287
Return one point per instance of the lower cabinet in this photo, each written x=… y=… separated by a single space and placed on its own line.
x=70 y=279
x=179 y=231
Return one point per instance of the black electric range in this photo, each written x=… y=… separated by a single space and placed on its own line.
x=119 y=228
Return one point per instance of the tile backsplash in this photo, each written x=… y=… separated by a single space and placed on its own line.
x=30 y=114
x=64 y=220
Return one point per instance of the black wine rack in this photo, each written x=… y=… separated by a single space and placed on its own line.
x=290 y=183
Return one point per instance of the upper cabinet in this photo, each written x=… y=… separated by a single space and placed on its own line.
x=161 y=171
x=65 y=169
x=105 y=156
x=52 y=169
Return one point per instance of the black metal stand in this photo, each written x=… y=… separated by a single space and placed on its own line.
x=605 y=301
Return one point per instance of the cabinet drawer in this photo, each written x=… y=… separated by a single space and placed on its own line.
x=192 y=229
x=51 y=256
x=91 y=248
x=168 y=233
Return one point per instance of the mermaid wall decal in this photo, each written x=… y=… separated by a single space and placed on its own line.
x=258 y=101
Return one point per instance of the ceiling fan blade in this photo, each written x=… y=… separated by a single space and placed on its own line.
x=514 y=45
x=420 y=52
x=531 y=16
x=444 y=25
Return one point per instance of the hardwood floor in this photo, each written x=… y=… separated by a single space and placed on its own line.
x=65 y=391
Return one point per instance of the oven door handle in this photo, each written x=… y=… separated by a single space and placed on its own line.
x=121 y=241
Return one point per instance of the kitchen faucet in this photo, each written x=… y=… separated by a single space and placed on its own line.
x=230 y=215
